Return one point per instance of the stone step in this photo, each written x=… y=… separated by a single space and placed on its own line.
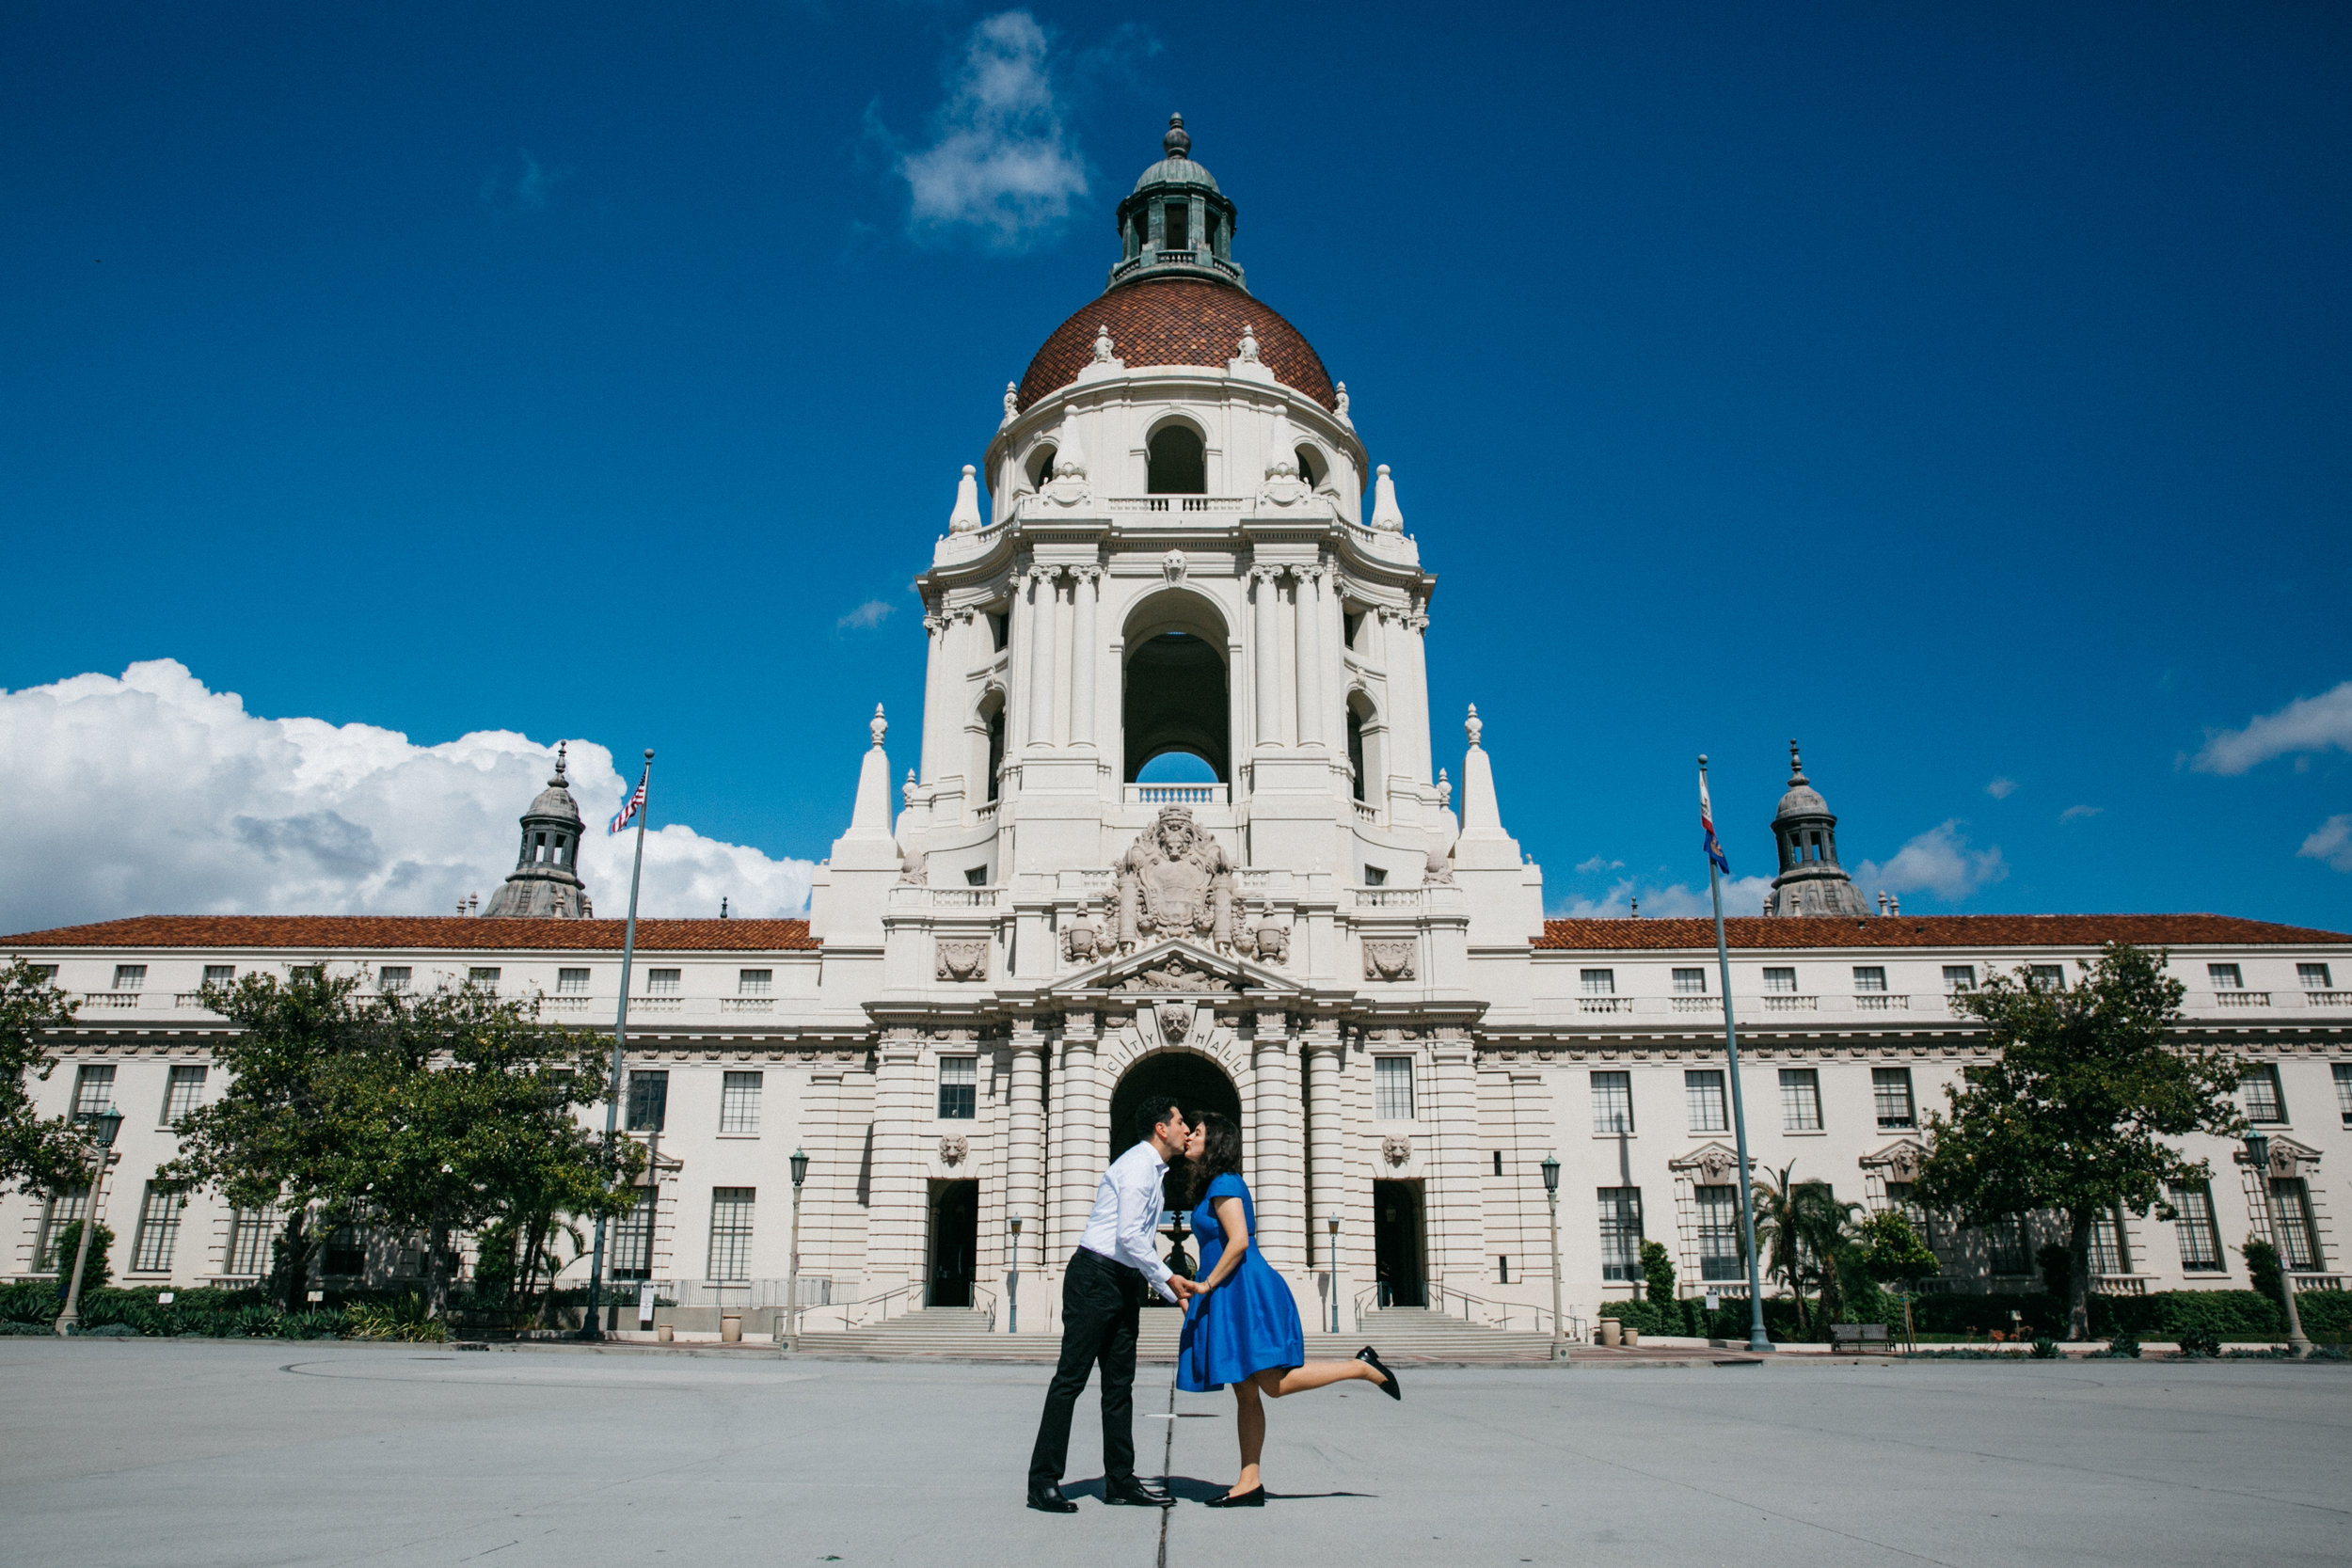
x=1402 y=1334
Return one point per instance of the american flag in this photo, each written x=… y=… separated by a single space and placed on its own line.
x=636 y=803
x=1706 y=825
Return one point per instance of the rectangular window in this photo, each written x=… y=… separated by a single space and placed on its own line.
x=2291 y=1220
x=392 y=979
x=219 y=975
x=183 y=1093
x=1621 y=1233
x=346 y=1251
x=1890 y=1088
x=159 y=1228
x=662 y=982
x=1612 y=1103
x=754 y=982
x=130 y=976
x=738 y=1102
x=571 y=982
x=1392 y=1089
x=1719 y=1232
x=2315 y=977
x=43 y=974
x=2343 y=1091
x=1177 y=226
x=2010 y=1247
x=1497 y=1162
x=2201 y=1237
x=1922 y=1223
x=1689 y=982
x=731 y=1232
x=633 y=1240
x=1781 y=982
x=1870 y=977
x=959 y=1089
x=1960 y=976
x=94 y=1089
x=1703 y=1094
x=1599 y=982
x=1376 y=877
x=486 y=978
x=61 y=1210
x=648 y=1099
x=2046 y=976
x=1799 y=1100
x=250 y=1233
x=2225 y=976
x=2111 y=1244
x=2258 y=1091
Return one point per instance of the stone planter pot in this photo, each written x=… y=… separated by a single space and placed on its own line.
x=1632 y=1337
x=730 y=1328
x=665 y=1334
x=1612 y=1332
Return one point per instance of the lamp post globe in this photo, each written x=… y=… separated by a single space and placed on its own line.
x=799 y=1166
x=2258 y=1161
x=1552 y=1174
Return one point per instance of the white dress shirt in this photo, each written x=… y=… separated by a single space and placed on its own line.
x=1126 y=1215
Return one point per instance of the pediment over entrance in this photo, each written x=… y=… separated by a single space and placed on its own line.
x=1710 y=1164
x=2288 y=1158
x=1899 y=1161
x=1177 y=968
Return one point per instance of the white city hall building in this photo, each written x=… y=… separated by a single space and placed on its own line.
x=1188 y=550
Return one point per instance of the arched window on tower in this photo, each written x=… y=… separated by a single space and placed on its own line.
x=1041 y=468
x=991 y=716
x=1177 y=464
x=1356 y=747
x=1179 y=233
x=1311 y=467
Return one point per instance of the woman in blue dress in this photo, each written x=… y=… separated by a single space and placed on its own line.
x=1240 y=1327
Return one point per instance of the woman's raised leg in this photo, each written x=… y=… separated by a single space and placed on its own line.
x=1314 y=1374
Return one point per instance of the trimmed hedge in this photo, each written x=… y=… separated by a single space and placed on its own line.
x=2165 y=1315
x=203 y=1311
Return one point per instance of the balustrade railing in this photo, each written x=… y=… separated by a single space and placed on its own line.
x=747 y=1004
x=1880 y=1002
x=565 y=1004
x=656 y=1004
x=110 y=1001
x=947 y=898
x=1176 y=794
x=2241 y=999
x=1781 y=1002
x=2328 y=999
x=1604 y=1004
x=1698 y=1004
x=1392 y=898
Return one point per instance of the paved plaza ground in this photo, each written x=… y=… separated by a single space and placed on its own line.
x=179 y=1454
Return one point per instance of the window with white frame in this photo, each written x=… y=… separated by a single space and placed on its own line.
x=571 y=982
x=250 y=1233
x=2046 y=976
x=1689 y=982
x=1612 y=1103
x=2193 y=1222
x=94 y=1089
x=219 y=975
x=2291 y=1220
x=1890 y=1091
x=2226 y=976
x=43 y=974
x=1392 y=1089
x=1621 y=1233
x=485 y=975
x=1599 y=982
x=183 y=1092
x=130 y=976
x=159 y=1228
x=1703 y=1094
x=662 y=982
x=2111 y=1244
x=2258 y=1092
x=1960 y=976
x=648 y=1099
x=738 y=1102
x=1870 y=977
x=392 y=979
x=731 y=1232
x=632 y=1238
x=2314 y=977
x=754 y=982
x=2343 y=1091
x=59 y=1210
x=959 y=1089
x=1780 y=982
x=1718 y=1214
x=1799 y=1100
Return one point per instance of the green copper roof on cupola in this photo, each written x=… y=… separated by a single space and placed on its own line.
x=1176 y=223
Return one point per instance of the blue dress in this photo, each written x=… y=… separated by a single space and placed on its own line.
x=1247 y=1324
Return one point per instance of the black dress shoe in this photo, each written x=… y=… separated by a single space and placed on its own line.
x=1254 y=1498
x=1372 y=1359
x=1134 y=1494
x=1048 y=1499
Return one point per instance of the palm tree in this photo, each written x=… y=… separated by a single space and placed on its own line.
x=1799 y=1227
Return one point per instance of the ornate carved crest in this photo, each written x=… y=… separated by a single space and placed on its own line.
x=1389 y=960
x=1178 y=975
x=1709 y=1165
x=1897 y=1161
x=1173 y=565
x=1175 y=880
x=952 y=1151
x=2288 y=1159
x=963 y=958
x=1397 y=1148
x=1082 y=939
x=1175 y=1020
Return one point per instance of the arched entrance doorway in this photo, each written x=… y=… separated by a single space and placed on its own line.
x=1194 y=1083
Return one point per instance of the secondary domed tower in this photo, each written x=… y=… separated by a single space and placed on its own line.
x=545 y=883
x=1810 y=881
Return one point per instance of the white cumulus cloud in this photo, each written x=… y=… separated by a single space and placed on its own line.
x=1939 y=862
x=1001 y=162
x=2001 y=789
x=1742 y=895
x=866 y=617
x=2080 y=814
x=2321 y=723
x=2331 y=843
x=152 y=794
x=1598 y=863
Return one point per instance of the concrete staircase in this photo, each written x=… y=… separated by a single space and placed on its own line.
x=1404 y=1335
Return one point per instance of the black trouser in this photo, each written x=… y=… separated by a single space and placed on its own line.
x=1101 y=1302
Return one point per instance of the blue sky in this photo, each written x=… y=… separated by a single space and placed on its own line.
x=1962 y=391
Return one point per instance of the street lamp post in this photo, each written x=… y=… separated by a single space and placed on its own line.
x=1551 y=1195
x=102 y=1126
x=2258 y=1156
x=792 y=1259
x=1334 y=1255
x=1013 y=1283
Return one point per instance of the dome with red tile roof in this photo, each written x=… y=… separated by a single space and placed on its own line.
x=1177 y=321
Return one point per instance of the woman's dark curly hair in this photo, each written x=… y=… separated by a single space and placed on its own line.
x=1220 y=1155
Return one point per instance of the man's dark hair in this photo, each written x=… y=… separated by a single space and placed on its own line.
x=1153 y=1113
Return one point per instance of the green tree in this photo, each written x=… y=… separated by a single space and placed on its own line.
x=1799 y=1228
x=1658 y=1269
x=96 y=1271
x=1892 y=1252
x=2262 y=1271
x=2074 y=1115
x=38 y=1154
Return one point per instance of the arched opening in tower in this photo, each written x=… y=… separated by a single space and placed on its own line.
x=1176 y=701
x=1176 y=462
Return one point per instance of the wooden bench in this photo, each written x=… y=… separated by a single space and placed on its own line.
x=1858 y=1336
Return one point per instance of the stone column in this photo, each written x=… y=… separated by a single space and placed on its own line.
x=1409 y=694
x=1325 y=1182
x=1085 y=652
x=1267 y=682
x=1025 y=1154
x=1311 y=731
x=1077 y=1151
x=1039 y=729
x=898 y=1192
x=1278 y=1165
x=938 y=721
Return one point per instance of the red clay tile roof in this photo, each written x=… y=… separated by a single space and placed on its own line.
x=318 y=932
x=1177 y=321
x=1931 y=931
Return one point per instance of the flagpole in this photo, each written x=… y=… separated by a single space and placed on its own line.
x=589 y=1328
x=1758 y=1338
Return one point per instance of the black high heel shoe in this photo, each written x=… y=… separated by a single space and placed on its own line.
x=1254 y=1498
x=1371 y=1358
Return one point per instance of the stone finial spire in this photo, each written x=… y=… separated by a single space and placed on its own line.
x=1385 y=515
x=1796 y=766
x=1013 y=404
x=965 y=519
x=879 y=726
x=1178 y=142
x=870 y=816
